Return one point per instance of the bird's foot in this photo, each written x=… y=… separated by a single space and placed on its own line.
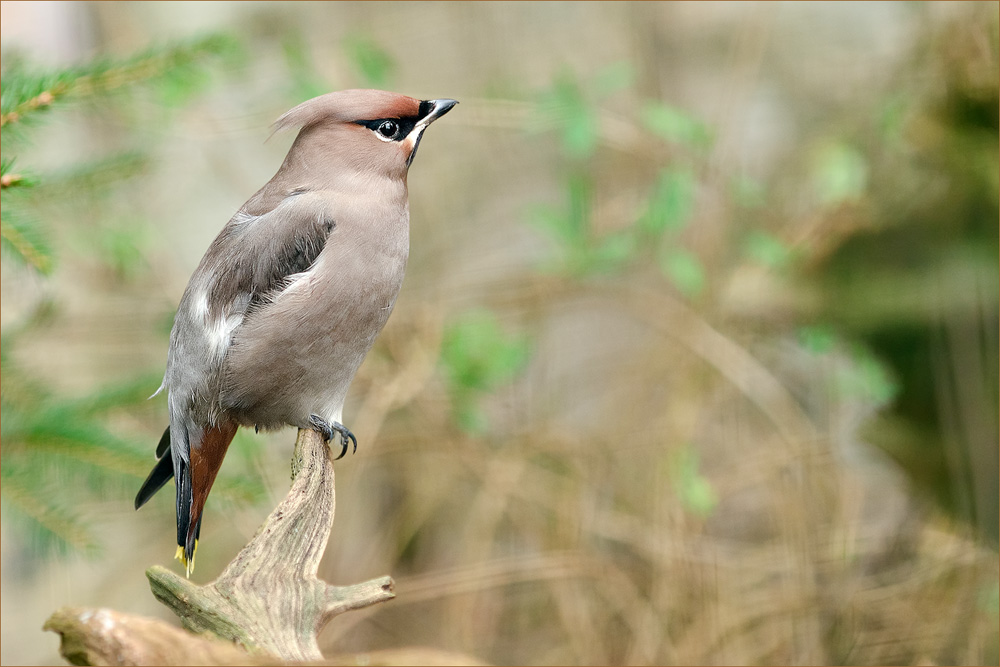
x=326 y=429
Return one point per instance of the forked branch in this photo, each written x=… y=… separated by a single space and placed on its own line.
x=269 y=600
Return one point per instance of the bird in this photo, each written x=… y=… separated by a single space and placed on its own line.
x=290 y=296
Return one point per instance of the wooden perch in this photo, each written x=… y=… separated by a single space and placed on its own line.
x=108 y=637
x=268 y=600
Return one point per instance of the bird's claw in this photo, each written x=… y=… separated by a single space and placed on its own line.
x=326 y=429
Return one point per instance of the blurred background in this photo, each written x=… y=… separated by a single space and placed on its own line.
x=695 y=361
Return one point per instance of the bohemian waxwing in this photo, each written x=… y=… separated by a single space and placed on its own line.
x=291 y=294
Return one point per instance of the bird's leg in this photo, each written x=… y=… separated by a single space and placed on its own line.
x=326 y=429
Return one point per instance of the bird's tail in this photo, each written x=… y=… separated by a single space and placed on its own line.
x=160 y=474
x=195 y=479
x=194 y=476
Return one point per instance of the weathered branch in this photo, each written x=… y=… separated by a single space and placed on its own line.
x=269 y=598
x=108 y=637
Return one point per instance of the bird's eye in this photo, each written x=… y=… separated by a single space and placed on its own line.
x=388 y=129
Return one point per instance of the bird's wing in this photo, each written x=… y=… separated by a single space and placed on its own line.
x=250 y=260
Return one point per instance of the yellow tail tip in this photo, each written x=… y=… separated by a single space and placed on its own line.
x=188 y=564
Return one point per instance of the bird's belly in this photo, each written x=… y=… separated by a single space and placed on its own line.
x=297 y=356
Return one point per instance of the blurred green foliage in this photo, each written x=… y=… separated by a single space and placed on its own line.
x=911 y=198
x=57 y=451
x=306 y=80
x=880 y=312
x=29 y=93
x=574 y=110
x=59 y=456
x=839 y=174
x=768 y=250
x=580 y=251
x=670 y=203
x=477 y=357
x=21 y=237
x=566 y=107
x=371 y=61
x=693 y=490
x=676 y=126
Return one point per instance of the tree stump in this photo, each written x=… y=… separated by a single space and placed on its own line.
x=268 y=600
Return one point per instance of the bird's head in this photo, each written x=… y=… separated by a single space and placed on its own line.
x=372 y=133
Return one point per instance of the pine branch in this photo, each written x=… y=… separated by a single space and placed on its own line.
x=9 y=180
x=19 y=237
x=26 y=93
x=55 y=526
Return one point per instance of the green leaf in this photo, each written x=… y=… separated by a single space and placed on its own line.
x=684 y=271
x=614 y=251
x=671 y=203
x=675 y=126
x=553 y=221
x=580 y=132
x=566 y=107
x=693 y=490
x=866 y=377
x=817 y=339
x=580 y=253
x=477 y=356
x=767 y=250
x=839 y=174
x=571 y=226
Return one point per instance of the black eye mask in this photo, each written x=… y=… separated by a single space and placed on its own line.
x=403 y=125
x=402 y=130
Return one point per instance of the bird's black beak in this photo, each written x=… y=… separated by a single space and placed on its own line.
x=431 y=110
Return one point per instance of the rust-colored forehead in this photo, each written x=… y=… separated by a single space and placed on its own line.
x=347 y=106
x=354 y=105
x=399 y=106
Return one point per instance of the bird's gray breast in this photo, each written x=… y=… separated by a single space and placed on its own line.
x=296 y=354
